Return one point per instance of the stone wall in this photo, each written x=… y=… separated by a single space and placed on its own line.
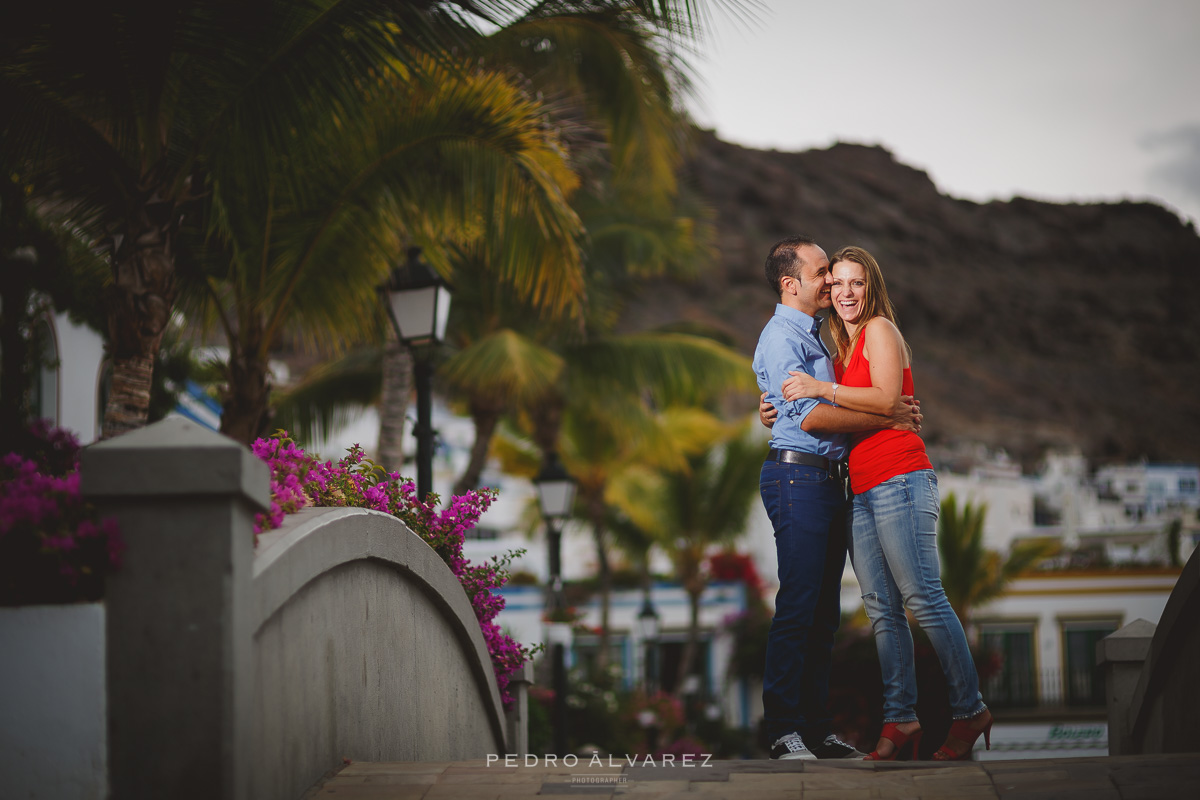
x=243 y=673
x=366 y=648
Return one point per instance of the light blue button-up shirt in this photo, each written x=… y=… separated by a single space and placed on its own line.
x=791 y=341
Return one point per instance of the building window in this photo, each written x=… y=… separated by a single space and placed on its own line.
x=670 y=649
x=103 y=390
x=1187 y=486
x=43 y=403
x=1083 y=678
x=482 y=533
x=1013 y=684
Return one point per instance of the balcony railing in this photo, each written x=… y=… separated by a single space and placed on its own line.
x=1049 y=688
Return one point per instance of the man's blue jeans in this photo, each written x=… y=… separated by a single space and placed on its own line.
x=808 y=511
x=893 y=547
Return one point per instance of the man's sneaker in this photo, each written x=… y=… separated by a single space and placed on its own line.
x=833 y=747
x=790 y=746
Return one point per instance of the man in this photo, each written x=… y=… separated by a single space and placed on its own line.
x=803 y=490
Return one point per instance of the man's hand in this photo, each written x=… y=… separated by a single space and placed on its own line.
x=767 y=413
x=907 y=415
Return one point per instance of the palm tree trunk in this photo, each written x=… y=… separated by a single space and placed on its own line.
x=246 y=411
x=600 y=536
x=693 y=639
x=139 y=307
x=485 y=419
x=393 y=404
x=128 y=404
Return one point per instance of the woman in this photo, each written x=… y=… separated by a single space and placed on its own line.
x=893 y=535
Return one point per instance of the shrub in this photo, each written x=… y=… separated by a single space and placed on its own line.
x=299 y=479
x=54 y=548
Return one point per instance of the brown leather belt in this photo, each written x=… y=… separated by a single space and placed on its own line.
x=837 y=468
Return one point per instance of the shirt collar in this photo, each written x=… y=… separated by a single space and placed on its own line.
x=804 y=321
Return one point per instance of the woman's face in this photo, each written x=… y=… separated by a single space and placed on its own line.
x=849 y=291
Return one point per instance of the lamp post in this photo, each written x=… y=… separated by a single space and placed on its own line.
x=647 y=620
x=556 y=496
x=418 y=304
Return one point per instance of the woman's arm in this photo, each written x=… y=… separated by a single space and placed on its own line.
x=884 y=349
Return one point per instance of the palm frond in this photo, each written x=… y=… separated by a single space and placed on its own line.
x=330 y=395
x=505 y=366
x=671 y=368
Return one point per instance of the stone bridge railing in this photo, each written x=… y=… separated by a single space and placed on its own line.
x=1151 y=675
x=244 y=672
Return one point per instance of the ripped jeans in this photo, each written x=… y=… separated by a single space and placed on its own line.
x=893 y=547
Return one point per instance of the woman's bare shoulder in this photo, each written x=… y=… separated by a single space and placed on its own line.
x=881 y=337
x=881 y=327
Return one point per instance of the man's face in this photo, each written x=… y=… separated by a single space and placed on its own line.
x=812 y=290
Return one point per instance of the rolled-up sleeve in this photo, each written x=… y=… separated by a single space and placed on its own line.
x=780 y=355
x=783 y=347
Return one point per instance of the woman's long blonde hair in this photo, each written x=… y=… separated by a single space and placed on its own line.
x=875 y=304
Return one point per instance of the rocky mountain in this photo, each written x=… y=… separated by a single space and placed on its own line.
x=1032 y=324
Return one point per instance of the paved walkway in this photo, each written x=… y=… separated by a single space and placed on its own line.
x=1122 y=778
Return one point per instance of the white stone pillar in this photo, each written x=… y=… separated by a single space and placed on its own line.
x=178 y=611
x=1123 y=654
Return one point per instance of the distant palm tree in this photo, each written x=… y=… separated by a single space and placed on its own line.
x=972 y=575
x=689 y=512
x=601 y=418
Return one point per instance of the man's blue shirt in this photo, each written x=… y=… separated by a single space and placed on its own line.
x=791 y=341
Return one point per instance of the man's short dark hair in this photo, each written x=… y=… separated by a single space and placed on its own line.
x=785 y=260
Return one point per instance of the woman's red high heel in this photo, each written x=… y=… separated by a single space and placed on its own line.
x=905 y=744
x=964 y=731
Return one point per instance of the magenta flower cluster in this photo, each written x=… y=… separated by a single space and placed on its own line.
x=299 y=479
x=54 y=548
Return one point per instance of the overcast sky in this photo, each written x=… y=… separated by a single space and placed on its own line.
x=1051 y=99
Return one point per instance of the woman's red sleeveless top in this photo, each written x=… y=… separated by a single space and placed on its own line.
x=878 y=455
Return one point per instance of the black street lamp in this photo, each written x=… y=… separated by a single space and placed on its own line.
x=647 y=621
x=418 y=303
x=556 y=496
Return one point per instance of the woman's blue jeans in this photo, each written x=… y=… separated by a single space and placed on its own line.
x=893 y=548
x=808 y=511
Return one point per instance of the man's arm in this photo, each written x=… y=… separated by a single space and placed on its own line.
x=834 y=419
x=831 y=419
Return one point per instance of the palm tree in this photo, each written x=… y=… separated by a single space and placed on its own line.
x=613 y=92
x=463 y=156
x=971 y=574
x=688 y=512
x=600 y=417
x=125 y=113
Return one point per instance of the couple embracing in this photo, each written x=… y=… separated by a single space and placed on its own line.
x=821 y=407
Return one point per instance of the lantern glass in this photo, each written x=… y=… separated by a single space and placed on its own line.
x=556 y=497
x=421 y=314
x=647 y=621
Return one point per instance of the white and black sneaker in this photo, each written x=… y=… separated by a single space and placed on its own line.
x=790 y=746
x=833 y=747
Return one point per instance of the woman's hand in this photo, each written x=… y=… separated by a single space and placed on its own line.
x=767 y=413
x=801 y=384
